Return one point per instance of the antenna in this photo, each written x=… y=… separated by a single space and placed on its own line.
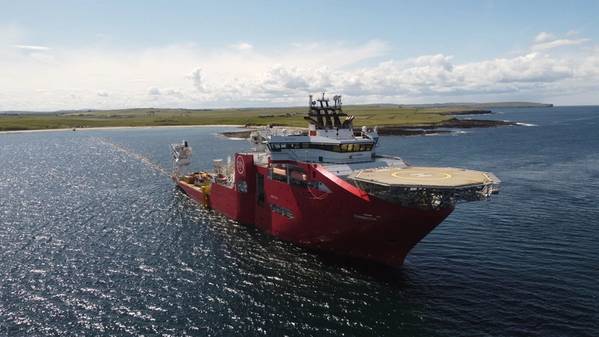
x=337 y=99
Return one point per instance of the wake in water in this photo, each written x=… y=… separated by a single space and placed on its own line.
x=526 y=124
x=133 y=154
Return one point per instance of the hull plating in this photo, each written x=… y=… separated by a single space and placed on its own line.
x=340 y=218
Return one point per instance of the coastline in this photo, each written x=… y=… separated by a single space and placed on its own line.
x=403 y=130
x=398 y=130
x=391 y=120
x=125 y=127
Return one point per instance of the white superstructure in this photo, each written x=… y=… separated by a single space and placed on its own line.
x=330 y=140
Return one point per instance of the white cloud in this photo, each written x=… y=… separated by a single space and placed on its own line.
x=175 y=93
x=544 y=37
x=198 y=80
x=546 y=41
x=156 y=92
x=31 y=47
x=558 y=43
x=186 y=75
x=242 y=46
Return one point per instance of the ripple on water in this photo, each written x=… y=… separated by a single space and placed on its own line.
x=96 y=241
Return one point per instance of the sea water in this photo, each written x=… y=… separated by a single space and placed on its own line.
x=96 y=241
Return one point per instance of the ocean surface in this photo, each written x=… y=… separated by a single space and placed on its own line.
x=96 y=241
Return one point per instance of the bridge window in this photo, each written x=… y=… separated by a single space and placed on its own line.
x=279 y=172
x=297 y=176
x=276 y=147
x=290 y=174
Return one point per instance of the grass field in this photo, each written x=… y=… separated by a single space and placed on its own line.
x=369 y=115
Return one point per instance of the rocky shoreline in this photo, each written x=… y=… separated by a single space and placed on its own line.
x=408 y=130
x=455 y=123
x=467 y=112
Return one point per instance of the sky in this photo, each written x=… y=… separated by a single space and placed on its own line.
x=57 y=55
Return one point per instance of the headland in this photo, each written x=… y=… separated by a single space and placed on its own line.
x=390 y=118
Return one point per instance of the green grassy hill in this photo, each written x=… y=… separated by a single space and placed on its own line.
x=365 y=115
x=369 y=115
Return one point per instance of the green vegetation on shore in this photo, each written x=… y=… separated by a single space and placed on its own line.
x=366 y=115
x=369 y=115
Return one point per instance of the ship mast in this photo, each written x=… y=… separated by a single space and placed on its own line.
x=325 y=116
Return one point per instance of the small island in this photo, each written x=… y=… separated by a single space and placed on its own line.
x=390 y=118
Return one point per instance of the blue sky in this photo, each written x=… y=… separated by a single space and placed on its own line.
x=78 y=54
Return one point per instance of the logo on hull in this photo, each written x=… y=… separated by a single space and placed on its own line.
x=240 y=163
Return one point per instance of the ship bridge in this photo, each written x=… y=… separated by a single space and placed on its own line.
x=330 y=138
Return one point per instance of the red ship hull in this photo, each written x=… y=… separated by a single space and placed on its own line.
x=342 y=219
